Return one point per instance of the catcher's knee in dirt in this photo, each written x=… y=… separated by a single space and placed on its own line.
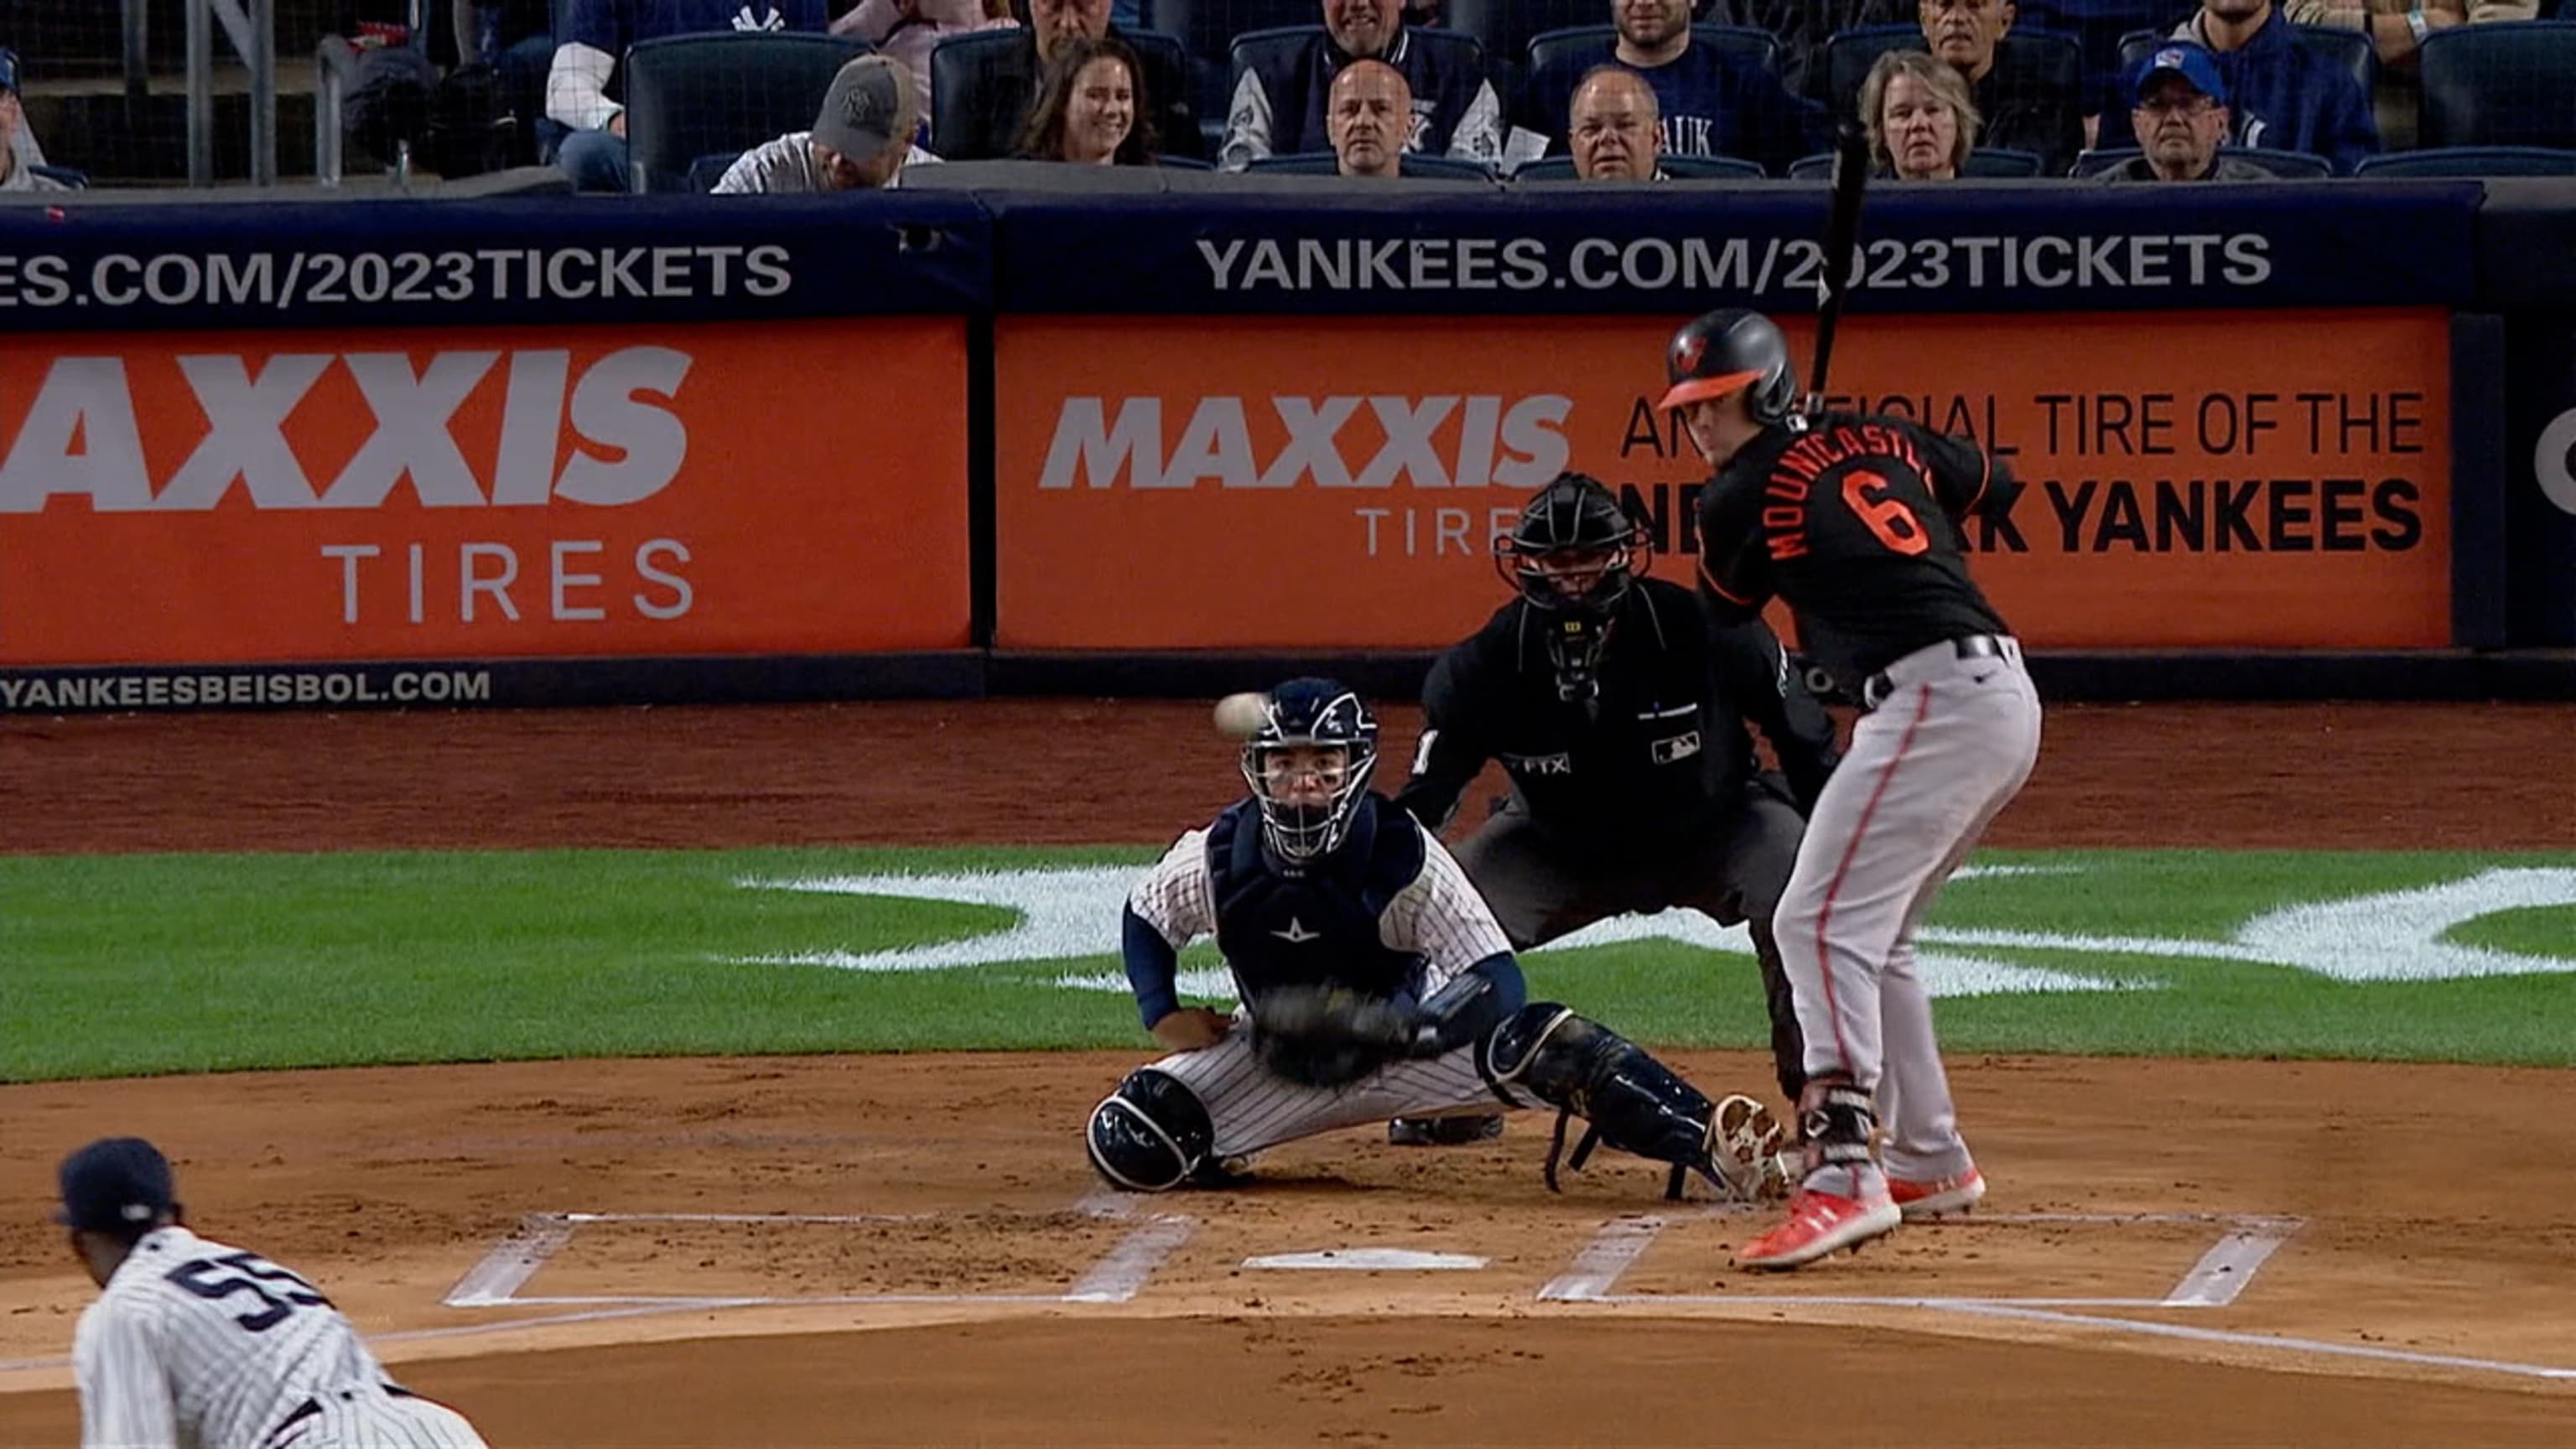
x=1573 y=1064
x=1151 y=1135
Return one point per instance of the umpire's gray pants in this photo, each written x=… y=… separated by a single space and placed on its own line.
x=1540 y=890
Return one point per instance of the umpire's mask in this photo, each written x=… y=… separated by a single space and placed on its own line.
x=1574 y=555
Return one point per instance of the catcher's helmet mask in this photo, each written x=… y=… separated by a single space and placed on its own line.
x=1311 y=714
x=1574 y=555
x=1728 y=351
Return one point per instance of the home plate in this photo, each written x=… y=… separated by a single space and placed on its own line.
x=1370 y=1260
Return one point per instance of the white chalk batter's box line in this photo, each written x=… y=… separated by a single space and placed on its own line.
x=1114 y=1278
x=2220 y=1276
x=2216 y=1280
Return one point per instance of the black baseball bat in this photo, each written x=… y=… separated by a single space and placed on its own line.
x=1842 y=240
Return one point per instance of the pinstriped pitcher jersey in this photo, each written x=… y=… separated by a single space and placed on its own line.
x=1437 y=915
x=194 y=1343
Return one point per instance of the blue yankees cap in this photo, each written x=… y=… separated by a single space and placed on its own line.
x=8 y=70
x=2195 y=65
x=116 y=1184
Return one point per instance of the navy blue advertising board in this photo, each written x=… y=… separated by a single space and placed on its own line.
x=1963 y=248
x=100 y=266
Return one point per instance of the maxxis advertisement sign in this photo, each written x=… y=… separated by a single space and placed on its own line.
x=2196 y=480
x=493 y=493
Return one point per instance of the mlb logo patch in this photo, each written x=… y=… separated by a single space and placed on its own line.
x=1677 y=747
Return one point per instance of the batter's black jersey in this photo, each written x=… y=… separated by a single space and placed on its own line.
x=1659 y=757
x=1854 y=520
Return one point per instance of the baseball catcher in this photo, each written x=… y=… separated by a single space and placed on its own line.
x=1375 y=984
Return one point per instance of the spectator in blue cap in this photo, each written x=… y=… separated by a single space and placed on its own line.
x=18 y=153
x=2180 y=115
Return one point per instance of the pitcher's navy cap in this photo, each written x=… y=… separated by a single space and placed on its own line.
x=116 y=1184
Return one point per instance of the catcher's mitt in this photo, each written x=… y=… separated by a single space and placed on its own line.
x=1329 y=1036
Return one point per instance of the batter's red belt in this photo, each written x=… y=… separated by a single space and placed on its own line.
x=1875 y=689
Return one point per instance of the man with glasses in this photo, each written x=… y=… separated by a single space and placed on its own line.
x=2181 y=120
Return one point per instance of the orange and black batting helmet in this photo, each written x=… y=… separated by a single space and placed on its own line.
x=1727 y=351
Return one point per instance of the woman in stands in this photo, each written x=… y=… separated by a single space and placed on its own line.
x=1921 y=121
x=1091 y=108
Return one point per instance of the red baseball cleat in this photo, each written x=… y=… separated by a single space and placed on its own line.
x=1819 y=1222
x=1937 y=1196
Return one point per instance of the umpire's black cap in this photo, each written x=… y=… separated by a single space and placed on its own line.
x=115 y=1185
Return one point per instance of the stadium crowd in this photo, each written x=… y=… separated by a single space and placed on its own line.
x=1636 y=90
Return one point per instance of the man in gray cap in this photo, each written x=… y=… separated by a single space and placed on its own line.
x=861 y=140
x=2180 y=119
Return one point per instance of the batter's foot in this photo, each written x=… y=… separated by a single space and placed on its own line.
x=1819 y=1223
x=1443 y=1131
x=1938 y=1196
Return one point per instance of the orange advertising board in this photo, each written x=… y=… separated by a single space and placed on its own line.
x=599 y=491
x=2238 y=480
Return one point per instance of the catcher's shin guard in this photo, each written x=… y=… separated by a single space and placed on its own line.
x=1152 y=1134
x=1631 y=1101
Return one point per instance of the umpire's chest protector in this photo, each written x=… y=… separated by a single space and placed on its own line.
x=1320 y=926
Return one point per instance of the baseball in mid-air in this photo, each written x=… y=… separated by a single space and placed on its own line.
x=1238 y=716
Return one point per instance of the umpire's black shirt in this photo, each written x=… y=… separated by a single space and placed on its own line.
x=1659 y=758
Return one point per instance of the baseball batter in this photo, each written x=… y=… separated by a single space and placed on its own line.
x=1855 y=521
x=196 y=1343
x=1375 y=984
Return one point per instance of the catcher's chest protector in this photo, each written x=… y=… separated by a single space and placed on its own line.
x=1280 y=930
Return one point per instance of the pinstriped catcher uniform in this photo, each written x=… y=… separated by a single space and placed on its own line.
x=1434 y=925
x=195 y=1343
x=1318 y=891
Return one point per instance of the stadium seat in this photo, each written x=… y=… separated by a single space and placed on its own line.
x=955 y=65
x=709 y=169
x=2472 y=161
x=1505 y=28
x=2350 y=47
x=1421 y=168
x=1680 y=168
x=689 y=96
x=1183 y=163
x=1758 y=45
x=1997 y=161
x=2501 y=84
x=1850 y=54
x=2288 y=165
x=2098 y=26
x=1206 y=30
x=72 y=177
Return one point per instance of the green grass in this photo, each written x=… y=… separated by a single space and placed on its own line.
x=143 y=964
